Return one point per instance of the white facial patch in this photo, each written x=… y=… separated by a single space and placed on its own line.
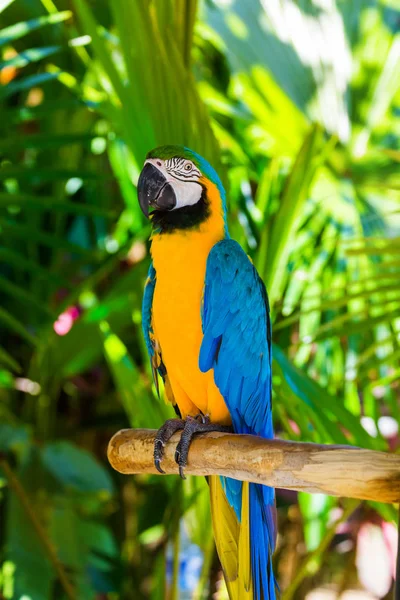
x=183 y=176
x=187 y=193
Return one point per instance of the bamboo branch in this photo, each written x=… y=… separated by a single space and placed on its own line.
x=335 y=470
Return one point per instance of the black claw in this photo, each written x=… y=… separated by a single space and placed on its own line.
x=163 y=435
x=193 y=425
x=203 y=419
x=157 y=462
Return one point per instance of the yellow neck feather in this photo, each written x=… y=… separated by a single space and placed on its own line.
x=198 y=241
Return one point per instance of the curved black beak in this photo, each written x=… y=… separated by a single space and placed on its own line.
x=154 y=190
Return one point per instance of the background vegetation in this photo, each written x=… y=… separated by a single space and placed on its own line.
x=297 y=104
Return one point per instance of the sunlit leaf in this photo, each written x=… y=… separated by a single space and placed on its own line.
x=29 y=56
x=141 y=409
x=14 y=32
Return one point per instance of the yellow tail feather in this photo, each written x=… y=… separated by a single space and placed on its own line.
x=232 y=540
x=244 y=540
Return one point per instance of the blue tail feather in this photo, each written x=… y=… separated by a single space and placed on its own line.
x=262 y=542
x=262 y=532
x=262 y=523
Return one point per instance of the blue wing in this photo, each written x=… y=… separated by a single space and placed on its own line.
x=237 y=337
x=153 y=347
x=147 y=307
x=237 y=345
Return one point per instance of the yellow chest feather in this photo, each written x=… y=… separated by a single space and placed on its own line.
x=180 y=260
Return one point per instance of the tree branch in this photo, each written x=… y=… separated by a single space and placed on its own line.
x=335 y=470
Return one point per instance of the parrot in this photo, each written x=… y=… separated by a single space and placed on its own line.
x=207 y=329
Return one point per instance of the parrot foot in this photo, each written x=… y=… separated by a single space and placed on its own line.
x=163 y=435
x=192 y=426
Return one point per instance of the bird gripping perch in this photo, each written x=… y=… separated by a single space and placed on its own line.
x=335 y=470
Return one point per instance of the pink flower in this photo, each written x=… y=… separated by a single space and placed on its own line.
x=65 y=320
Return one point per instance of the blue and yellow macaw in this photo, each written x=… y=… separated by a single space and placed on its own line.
x=208 y=332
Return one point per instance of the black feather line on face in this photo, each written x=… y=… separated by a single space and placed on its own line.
x=176 y=167
x=185 y=218
x=185 y=178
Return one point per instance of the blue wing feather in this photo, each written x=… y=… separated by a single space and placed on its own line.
x=153 y=347
x=237 y=338
x=147 y=303
x=237 y=345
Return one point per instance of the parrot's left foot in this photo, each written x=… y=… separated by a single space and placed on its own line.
x=163 y=435
x=194 y=425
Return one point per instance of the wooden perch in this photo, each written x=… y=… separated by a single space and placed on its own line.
x=335 y=470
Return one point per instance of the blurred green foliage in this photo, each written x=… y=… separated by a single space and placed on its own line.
x=297 y=104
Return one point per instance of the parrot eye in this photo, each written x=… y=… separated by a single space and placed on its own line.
x=188 y=167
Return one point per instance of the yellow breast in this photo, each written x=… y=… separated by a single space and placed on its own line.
x=180 y=261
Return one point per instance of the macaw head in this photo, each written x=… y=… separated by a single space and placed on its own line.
x=179 y=189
